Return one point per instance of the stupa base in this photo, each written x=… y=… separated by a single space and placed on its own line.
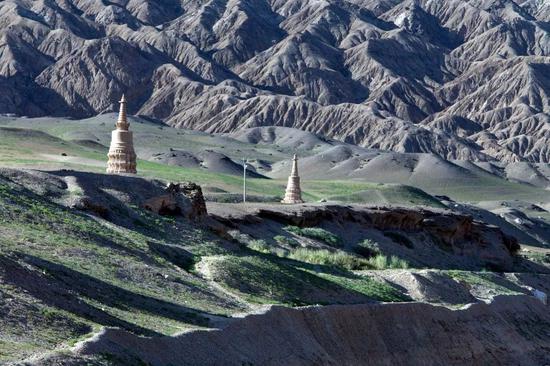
x=291 y=202
x=118 y=171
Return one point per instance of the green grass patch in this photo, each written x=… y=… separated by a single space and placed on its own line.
x=268 y=279
x=367 y=248
x=381 y=261
x=317 y=234
x=540 y=258
x=141 y=268
x=259 y=245
x=482 y=279
x=325 y=257
x=364 y=284
x=261 y=279
x=286 y=241
x=389 y=194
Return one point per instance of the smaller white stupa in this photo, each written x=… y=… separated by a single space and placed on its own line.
x=122 y=157
x=293 y=192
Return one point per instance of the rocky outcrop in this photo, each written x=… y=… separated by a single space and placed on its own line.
x=509 y=331
x=194 y=193
x=88 y=205
x=436 y=238
x=181 y=199
x=107 y=196
x=450 y=228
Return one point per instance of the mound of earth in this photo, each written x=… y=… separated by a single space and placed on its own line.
x=207 y=159
x=108 y=195
x=534 y=174
x=509 y=331
x=430 y=286
x=347 y=161
x=283 y=137
x=527 y=229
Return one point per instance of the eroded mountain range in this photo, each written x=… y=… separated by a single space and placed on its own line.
x=464 y=79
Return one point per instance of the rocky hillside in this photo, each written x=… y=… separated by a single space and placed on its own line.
x=465 y=79
x=81 y=253
x=507 y=332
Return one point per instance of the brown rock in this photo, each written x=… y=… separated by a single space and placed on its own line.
x=180 y=199
x=429 y=235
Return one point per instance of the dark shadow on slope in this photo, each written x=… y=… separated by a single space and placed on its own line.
x=115 y=193
x=526 y=265
x=111 y=295
x=105 y=242
x=408 y=57
x=22 y=96
x=305 y=279
x=174 y=254
x=92 y=234
x=149 y=119
x=59 y=295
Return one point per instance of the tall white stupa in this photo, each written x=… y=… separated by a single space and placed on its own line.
x=122 y=157
x=293 y=192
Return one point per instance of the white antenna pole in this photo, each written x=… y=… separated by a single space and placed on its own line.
x=244 y=179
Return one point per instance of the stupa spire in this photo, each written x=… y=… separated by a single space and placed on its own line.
x=293 y=192
x=122 y=157
x=294 y=172
x=122 y=122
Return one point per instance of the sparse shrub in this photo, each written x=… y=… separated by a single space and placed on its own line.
x=316 y=233
x=367 y=248
x=367 y=285
x=279 y=252
x=381 y=261
x=49 y=313
x=540 y=258
x=283 y=240
x=485 y=280
x=259 y=245
x=328 y=258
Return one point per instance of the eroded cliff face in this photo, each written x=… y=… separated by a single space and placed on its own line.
x=510 y=331
x=432 y=238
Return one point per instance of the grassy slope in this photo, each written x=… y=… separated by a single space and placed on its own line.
x=67 y=274
x=19 y=148
x=64 y=274
x=100 y=274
